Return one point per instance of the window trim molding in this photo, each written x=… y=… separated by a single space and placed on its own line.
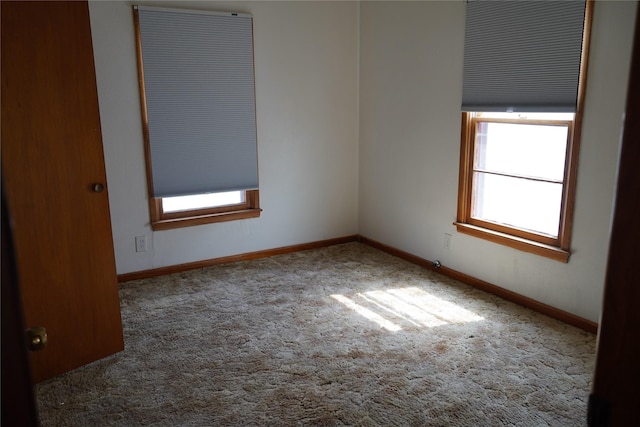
x=161 y=220
x=566 y=218
x=558 y=249
x=526 y=245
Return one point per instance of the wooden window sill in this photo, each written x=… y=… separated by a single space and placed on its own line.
x=188 y=221
x=519 y=243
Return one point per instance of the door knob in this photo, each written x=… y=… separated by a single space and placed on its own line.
x=37 y=338
x=98 y=187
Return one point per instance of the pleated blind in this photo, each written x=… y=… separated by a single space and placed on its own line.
x=200 y=100
x=522 y=55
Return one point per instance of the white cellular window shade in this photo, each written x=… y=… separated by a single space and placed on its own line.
x=522 y=55
x=199 y=95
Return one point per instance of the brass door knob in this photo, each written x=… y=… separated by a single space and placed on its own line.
x=37 y=338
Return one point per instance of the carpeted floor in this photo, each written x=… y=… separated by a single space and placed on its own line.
x=344 y=335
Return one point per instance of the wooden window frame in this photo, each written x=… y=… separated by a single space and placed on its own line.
x=161 y=220
x=541 y=244
x=558 y=248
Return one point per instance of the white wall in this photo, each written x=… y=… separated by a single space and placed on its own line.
x=306 y=63
x=411 y=58
x=400 y=64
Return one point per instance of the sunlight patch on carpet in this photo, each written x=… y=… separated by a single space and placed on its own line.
x=413 y=306
x=369 y=314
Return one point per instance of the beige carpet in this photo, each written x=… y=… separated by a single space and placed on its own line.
x=344 y=335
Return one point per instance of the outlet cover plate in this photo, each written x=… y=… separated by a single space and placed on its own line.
x=141 y=244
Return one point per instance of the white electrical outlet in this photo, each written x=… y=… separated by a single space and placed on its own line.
x=447 y=241
x=141 y=244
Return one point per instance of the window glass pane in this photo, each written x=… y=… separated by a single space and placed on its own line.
x=516 y=202
x=522 y=149
x=202 y=201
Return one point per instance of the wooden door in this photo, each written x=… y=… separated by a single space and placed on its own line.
x=51 y=158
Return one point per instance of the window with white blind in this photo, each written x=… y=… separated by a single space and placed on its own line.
x=523 y=88
x=197 y=89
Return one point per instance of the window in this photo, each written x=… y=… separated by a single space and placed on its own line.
x=198 y=108
x=517 y=168
x=182 y=211
x=522 y=104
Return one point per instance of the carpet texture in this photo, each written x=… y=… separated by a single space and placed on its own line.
x=344 y=335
